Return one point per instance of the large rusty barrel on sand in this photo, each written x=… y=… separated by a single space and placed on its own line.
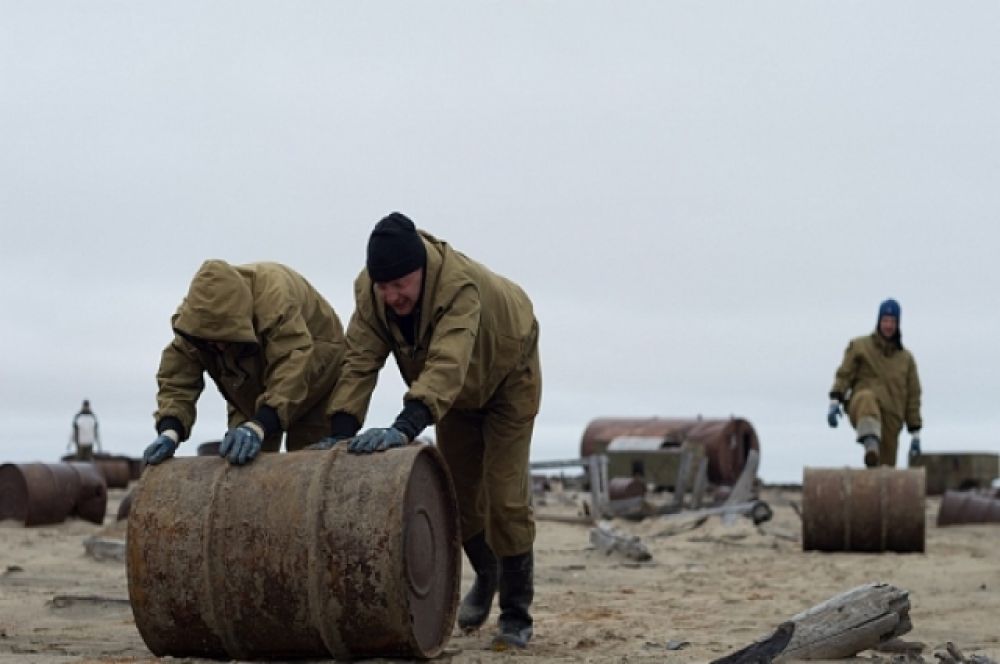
x=39 y=494
x=308 y=554
x=866 y=510
x=968 y=507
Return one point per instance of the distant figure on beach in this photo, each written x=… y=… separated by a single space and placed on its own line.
x=272 y=345
x=465 y=340
x=878 y=384
x=85 y=433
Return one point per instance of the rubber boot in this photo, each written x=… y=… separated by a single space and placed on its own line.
x=517 y=589
x=475 y=607
x=871 y=445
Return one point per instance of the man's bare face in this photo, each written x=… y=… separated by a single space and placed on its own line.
x=887 y=326
x=401 y=295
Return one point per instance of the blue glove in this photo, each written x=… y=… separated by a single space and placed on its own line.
x=327 y=443
x=833 y=414
x=377 y=440
x=915 y=445
x=242 y=444
x=160 y=449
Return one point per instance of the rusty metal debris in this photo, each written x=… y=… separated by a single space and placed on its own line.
x=45 y=493
x=968 y=507
x=868 y=510
x=309 y=554
x=727 y=442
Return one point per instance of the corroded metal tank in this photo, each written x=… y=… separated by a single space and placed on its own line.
x=124 y=506
x=38 y=494
x=727 y=442
x=626 y=487
x=308 y=554
x=211 y=448
x=968 y=507
x=867 y=510
x=116 y=469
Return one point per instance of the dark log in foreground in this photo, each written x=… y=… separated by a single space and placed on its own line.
x=859 y=619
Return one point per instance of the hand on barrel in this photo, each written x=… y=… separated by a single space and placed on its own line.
x=160 y=449
x=242 y=444
x=377 y=440
x=833 y=413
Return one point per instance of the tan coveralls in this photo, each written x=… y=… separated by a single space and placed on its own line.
x=474 y=364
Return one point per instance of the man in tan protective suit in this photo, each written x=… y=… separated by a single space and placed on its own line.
x=274 y=348
x=879 y=384
x=466 y=343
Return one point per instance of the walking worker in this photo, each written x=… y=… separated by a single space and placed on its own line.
x=274 y=348
x=879 y=386
x=85 y=433
x=466 y=343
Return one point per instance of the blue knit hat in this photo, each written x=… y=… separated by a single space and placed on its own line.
x=889 y=308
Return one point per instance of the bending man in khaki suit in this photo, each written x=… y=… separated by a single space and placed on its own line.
x=466 y=343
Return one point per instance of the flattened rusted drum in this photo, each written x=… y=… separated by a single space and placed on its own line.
x=116 y=471
x=210 y=448
x=872 y=509
x=125 y=506
x=626 y=487
x=308 y=554
x=968 y=507
x=39 y=494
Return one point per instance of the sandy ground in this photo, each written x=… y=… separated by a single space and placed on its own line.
x=715 y=587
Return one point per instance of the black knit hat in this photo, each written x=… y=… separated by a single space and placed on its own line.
x=394 y=249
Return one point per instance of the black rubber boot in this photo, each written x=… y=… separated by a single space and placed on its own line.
x=871 y=445
x=475 y=607
x=517 y=589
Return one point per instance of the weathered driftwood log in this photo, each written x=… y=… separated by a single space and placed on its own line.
x=842 y=626
x=610 y=540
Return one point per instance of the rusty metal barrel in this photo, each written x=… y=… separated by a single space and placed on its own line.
x=211 y=448
x=626 y=487
x=117 y=471
x=39 y=494
x=865 y=510
x=968 y=507
x=124 y=507
x=308 y=554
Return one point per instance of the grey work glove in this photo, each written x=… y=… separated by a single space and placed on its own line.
x=162 y=448
x=377 y=440
x=241 y=444
x=915 y=445
x=327 y=443
x=833 y=413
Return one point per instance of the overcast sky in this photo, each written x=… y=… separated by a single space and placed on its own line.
x=705 y=200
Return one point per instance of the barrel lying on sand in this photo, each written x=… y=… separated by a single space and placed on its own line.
x=308 y=554
x=968 y=507
x=39 y=494
x=872 y=509
x=117 y=469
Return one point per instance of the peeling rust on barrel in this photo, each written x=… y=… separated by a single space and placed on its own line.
x=306 y=554
x=870 y=510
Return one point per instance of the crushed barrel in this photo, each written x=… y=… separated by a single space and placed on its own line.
x=308 y=554
x=39 y=494
x=864 y=510
x=211 y=448
x=620 y=488
x=968 y=507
